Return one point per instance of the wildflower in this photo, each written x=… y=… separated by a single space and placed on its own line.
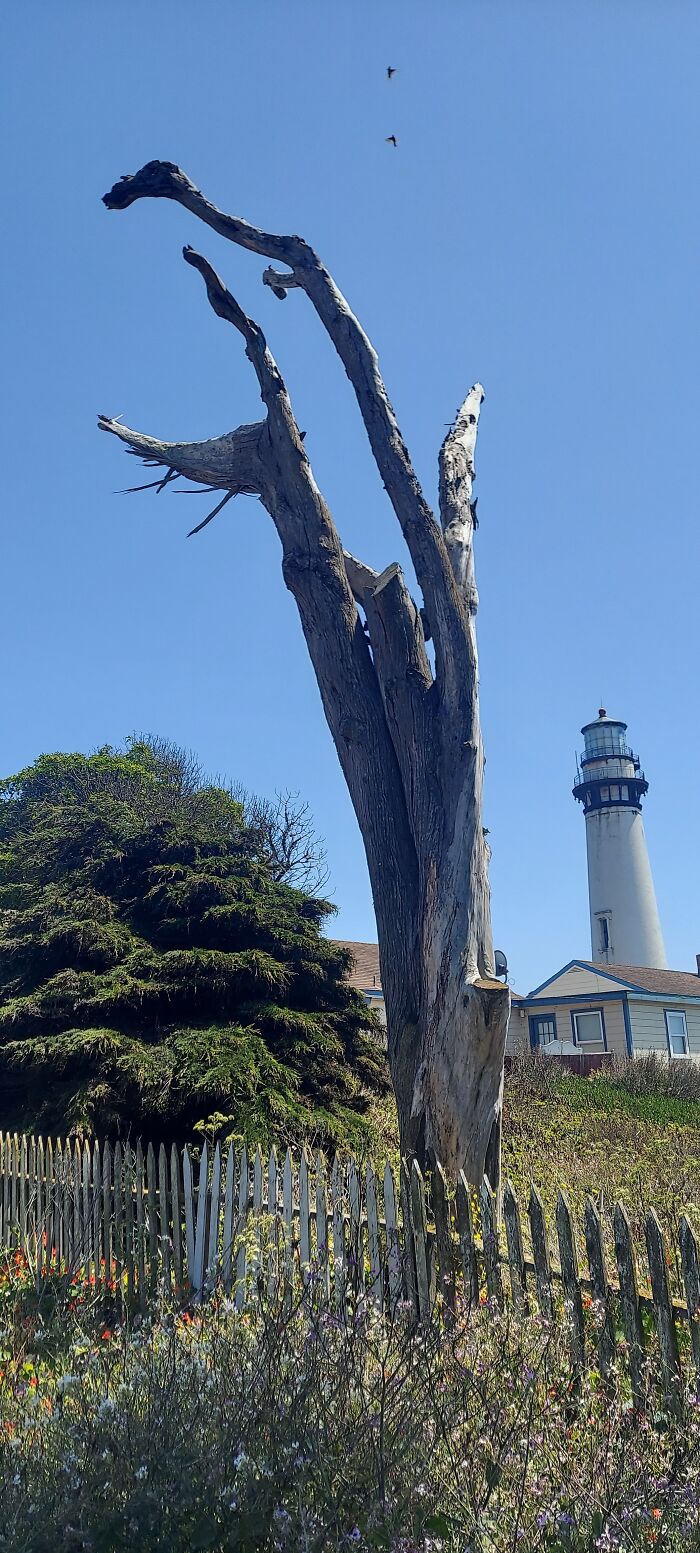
x=65 y=1382
x=106 y=1335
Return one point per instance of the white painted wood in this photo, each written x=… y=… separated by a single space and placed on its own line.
x=373 y=1247
x=274 y=1224
x=288 y=1220
x=214 y=1212
x=339 y=1260
x=304 y=1218
x=393 y=1239
x=188 y=1203
x=322 y=1257
x=229 y=1228
x=242 y=1229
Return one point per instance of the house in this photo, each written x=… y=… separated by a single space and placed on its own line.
x=584 y=1009
x=587 y=1007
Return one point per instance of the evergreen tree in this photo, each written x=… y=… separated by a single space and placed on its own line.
x=156 y=976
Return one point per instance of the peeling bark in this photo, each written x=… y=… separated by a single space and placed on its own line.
x=408 y=740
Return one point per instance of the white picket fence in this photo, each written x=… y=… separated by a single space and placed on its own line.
x=138 y=1222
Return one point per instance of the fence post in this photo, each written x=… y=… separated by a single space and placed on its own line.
x=443 y=1240
x=322 y=1228
x=119 y=1247
x=420 y=1240
x=393 y=1241
x=227 y=1250
x=629 y=1302
x=568 y=1261
x=489 y=1236
x=467 y=1243
x=691 y=1281
x=356 y=1237
x=409 y=1254
x=375 y=1265
x=339 y=1269
x=140 y=1227
x=176 y=1199
x=514 y=1241
x=601 y=1291
x=540 y=1254
x=304 y=1218
x=272 y=1176
x=164 y=1235
x=242 y=1224
x=152 y=1218
x=663 y=1310
x=214 y=1211
x=188 y=1196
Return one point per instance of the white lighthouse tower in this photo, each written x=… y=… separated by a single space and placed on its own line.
x=625 y=926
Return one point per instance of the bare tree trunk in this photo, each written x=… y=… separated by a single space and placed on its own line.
x=408 y=739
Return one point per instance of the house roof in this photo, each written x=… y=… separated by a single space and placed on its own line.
x=632 y=978
x=680 y=984
x=365 y=973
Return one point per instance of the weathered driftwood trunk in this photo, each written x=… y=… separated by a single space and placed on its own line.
x=407 y=732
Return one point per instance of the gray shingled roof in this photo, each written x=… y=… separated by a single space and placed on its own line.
x=365 y=973
x=679 y=984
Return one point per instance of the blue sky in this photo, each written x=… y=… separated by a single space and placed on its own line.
x=538 y=228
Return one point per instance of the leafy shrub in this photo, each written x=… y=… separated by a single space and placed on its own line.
x=655 y=1074
x=286 y=1429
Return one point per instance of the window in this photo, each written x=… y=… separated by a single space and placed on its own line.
x=624 y=793
x=588 y=1031
x=604 y=934
x=543 y=1029
x=676 y=1032
x=615 y=794
x=605 y=794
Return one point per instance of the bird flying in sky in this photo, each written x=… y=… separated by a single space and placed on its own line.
x=390 y=71
x=391 y=140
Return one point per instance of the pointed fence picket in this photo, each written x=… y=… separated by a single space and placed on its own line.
x=141 y=1220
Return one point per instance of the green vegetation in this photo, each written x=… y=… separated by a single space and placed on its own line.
x=157 y=975
x=283 y=1429
x=622 y=1136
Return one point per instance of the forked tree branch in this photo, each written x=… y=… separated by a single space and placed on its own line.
x=315 y=573
x=449 y=619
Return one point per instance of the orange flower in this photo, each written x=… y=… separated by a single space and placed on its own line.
x=106 y=1335
x=656 y=1515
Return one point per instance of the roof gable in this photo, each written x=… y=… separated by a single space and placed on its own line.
x=580 y=978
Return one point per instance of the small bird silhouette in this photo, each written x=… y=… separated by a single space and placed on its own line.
x=391 y=140
x=390 y=71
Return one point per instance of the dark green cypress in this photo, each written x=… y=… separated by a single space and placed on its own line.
x=155 y=977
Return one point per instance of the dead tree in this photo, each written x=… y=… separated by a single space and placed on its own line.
x=407 y=735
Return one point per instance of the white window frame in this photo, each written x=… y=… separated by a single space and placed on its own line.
x=586 y=1046
x=678 y=1013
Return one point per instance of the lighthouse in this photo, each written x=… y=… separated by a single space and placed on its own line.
x=625 y=926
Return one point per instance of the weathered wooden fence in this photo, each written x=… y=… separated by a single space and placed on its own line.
x=139 y=1222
